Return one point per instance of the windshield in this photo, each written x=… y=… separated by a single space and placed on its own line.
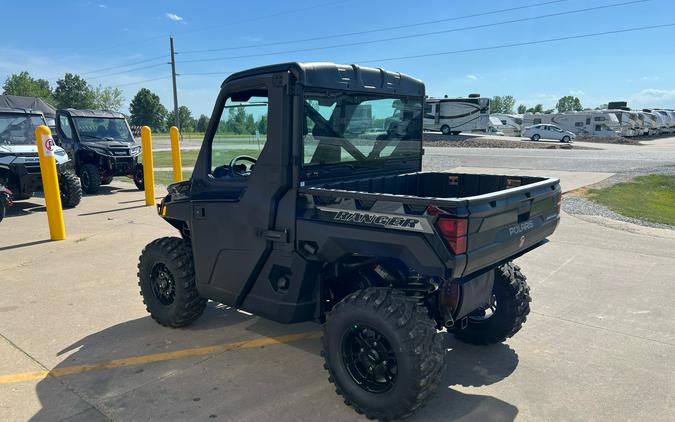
x=361 y=130
x=97 y=128
x=18 y=129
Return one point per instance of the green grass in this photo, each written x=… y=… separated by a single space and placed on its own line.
x=650 y=198
x=189 y=157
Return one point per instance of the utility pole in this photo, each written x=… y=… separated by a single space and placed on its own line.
x=173 y=78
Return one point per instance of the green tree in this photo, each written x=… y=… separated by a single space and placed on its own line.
x=249 y=124
x=508 y=102
x=73 y=91
x=25 y=85
x=522 y=109
x=539 y=108
x=496 y=105
x=108 y=98
x=568 y=103
x=236 y=121
x=202 y=123
x=147 y=110
x=262 y=124
x=187 y=123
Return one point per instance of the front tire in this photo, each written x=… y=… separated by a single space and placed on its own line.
x=445 y=130
x=90 y=178
x=382 y=352
x=566 y=139
x=166 y=277
x=507 y=312
x=70 y=188
x=138 y=177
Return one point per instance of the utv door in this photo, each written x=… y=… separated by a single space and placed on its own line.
x=66 y=135
x=233 y=213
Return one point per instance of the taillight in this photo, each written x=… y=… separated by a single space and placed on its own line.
x=454 y=231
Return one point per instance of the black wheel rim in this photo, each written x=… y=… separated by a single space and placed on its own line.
x=163 y=286
x=485 y=313
x=369 y=358
x=85 y=180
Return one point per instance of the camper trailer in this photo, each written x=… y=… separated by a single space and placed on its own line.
x=454 y=115
x=584 y=123
x=628 y=122
x=662 y=120
x=511 y=124
x=647 y=123
x=669 y=118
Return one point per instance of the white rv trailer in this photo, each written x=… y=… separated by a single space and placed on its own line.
x=628 y=122
x=584 y=123
x=511 y=124
x=666 y=122
x=455 y=115
x=647 y=123
x=669 y=118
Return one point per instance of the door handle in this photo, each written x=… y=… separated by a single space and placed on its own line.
x=276 y=236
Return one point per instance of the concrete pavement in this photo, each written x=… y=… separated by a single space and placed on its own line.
x=598 y=344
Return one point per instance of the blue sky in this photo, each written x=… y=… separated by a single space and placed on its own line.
x=94 y=38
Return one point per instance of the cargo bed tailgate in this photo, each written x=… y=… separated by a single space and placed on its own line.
x=506 y=223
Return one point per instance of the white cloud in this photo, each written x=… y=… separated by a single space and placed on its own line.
x=102 y=6
x=577 y=93
x=472 y=77
x=174 y=17
x=652 y=97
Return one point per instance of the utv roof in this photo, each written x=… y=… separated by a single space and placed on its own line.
x=16 y=110
x=103 y=114
x=31 y=103
x=341 y=77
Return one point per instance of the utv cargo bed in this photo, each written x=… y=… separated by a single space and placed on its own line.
x=507 y=215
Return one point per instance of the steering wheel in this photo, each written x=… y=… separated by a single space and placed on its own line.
x=247 y=169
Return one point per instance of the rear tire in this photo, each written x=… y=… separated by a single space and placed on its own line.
x=536 y=137
x=70 y=188
x=166 y=277
x=382 y=352
x=90 y=178
x=445 y=130
x=511 y=305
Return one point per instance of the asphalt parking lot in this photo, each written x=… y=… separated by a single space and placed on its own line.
x=77 y=345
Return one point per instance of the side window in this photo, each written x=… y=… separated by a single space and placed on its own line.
x=578 y=124
x=242 y=130
x=64 y=123
x=537 y=121
x=598 y=127
x=427 y=108
x=588 y=121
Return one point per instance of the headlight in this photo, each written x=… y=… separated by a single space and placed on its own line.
x=135 y=150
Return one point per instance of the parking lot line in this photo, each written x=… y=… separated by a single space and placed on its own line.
x=156 y=357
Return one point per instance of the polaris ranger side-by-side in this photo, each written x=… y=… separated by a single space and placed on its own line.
x=19 y=163
x=101 y=146
x=340 y=226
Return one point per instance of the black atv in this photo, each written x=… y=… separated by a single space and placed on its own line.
x=336 y=223
x=101 y=146
x=19 y=163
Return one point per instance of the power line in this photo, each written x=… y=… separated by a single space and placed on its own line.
x=163 y=56
x=272 y=15
x=141 y=82
x=203 y=73
x=370 y=31
x=128 y=70
x=426 y=34
x=496 y=47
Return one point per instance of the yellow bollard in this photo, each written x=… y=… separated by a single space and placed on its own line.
x=175 y=155
x=50 y=182
x=148 y=167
